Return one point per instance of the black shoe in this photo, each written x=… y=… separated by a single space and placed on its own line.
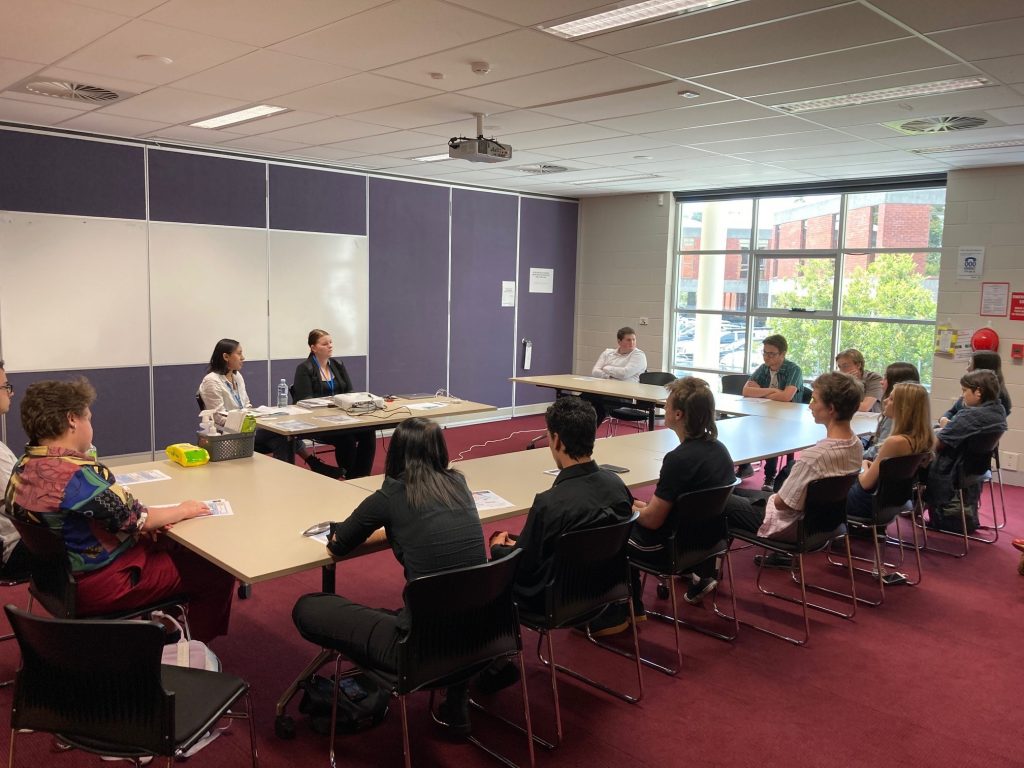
x=769 y=485
x=697 y=592
x=454 y=715
x=323 y=468
x=614 y=620
x=496 y=677
x=745 y=470
x=774 y=560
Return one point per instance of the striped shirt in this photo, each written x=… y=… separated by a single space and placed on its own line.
x=826 y=458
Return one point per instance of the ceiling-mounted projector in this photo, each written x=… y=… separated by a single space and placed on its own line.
x=479 y=150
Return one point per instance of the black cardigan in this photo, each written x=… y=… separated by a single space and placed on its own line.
x=309 y=384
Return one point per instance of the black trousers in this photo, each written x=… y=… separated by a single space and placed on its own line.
x=745 y=509
x=354 y=449
x=367 y=636
x=273 y=443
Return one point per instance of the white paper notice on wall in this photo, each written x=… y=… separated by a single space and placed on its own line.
x=542 y=280
x=970 y=263
x=508 y=293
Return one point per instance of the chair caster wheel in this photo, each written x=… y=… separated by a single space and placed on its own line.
x=244 y=591
x=284 y=727
x=663 y=591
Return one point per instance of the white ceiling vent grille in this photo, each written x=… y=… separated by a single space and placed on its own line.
x=71 y=91
x=941 y=124
x=542 y=169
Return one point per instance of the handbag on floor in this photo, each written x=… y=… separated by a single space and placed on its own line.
x=362 y=703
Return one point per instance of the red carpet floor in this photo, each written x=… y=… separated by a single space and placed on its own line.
x=932 y=678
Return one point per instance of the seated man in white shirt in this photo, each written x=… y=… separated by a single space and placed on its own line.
x=624 y=363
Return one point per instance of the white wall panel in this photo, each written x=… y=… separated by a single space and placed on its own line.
x=318 y=281
x=73 y=292
x=208 y=283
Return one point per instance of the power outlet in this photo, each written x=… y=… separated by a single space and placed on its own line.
x=1009 y=460
x=644 y=321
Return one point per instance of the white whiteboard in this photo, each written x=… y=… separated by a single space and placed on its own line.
x=318 y=281
x=208 y=283
x=73 y=292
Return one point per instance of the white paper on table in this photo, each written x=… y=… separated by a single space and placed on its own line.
x=584 y=378
x=489 y=500
x=145 y=476
x=554 y=471
x=293 y=424
x=424 y=406
x=218 y=507
x=321 y=537
x=341 y=418
x=268 y=410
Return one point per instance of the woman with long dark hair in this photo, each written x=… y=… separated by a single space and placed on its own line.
x=431 y=523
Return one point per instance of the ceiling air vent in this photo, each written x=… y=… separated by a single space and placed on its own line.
x=542 y=169
x=942 y=124
x=71 y=91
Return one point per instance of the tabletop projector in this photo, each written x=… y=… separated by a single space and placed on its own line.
x=359 y=401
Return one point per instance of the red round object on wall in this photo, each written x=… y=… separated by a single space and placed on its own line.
x=985 y=338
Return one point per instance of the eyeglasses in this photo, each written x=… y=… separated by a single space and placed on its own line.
x=9 y=387
x=770 y=355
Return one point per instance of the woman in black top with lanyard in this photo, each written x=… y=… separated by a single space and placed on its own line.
x=321 y=376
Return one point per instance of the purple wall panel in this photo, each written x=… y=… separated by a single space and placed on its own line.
x=285 y=369
x=408 y=286
x=120 y=415
x=50 y=174
x=176 y=410
x=200 y=189
x=309 y=200
x=547 y=238
x=484 y=228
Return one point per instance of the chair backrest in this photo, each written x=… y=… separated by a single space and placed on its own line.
x=590 y=569
x=92 y=680
x=732 y=383
x=699 y=527
x=52 y=583
x=976 y=457
x=461 y=620
x=806 y=394
x=199 y=402
x=824 y=510
x=656 y=377
x=896 y=478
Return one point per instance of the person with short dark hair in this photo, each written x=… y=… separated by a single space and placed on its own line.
x=321 y=375
x=697 y=463
x=17 y=562
x=982 y=360
x=835 y=400
x=851 y=362
x=223 y=390
x=116 y=553
x=430 y=520
x=776 y=379
x=583 y=496
x=624 y=362
x=982 y=414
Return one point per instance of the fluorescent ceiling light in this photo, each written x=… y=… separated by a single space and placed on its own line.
x=432 y=158
x=609 y=179
x=885 y=94
x=240 y=116
x=627 y=15
x=967 y=147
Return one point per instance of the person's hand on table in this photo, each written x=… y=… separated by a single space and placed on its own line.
x=192 y=508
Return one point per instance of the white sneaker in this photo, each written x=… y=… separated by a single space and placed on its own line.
x=146 y=760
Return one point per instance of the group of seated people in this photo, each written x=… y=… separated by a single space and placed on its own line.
x=319 y=375
x=119 y=559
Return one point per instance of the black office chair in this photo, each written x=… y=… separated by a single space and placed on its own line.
x=590 y=572
x=53 y=585
x=99 y=686
x=462 y=620
x=638 y=416
x=824 y=520
x=806 y=395
x=894 y=494
x=699 y=533
x=732 y=383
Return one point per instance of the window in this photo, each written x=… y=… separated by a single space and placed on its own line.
x=827 y=271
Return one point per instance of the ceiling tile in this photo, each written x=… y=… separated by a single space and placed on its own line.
x=114 y=83
x=621 y=144
x=201 y=136
x=709 y=22
x=116 y=54
x=806 y=153
x=354 y=94
x=974 y=136
x=530 y=12
x=522 y=52
x=277 y=122
x=689 y=117
x=395 y=32
x=383 y=143
x=323 y=153
x=830 y=68
x=124 y=7
x=446 y=108
x=768 y=126
x=262 y=144
x=500 y=124
x=261 y=75
x=112 y=125
x=45 y=30
x=591 y=78
x=170 y=105
x=635 y=102
x=1009 y=69
x=985 y=41
x=707 y=162
x=784 y=141
x=34 y=112
x=567 y=134
x=12 y=71
x=256 y=22
x=933 y=15
x=1010 y=116
x=32 y=98
x=329 y=131
x=842 y=27
x=657 y=154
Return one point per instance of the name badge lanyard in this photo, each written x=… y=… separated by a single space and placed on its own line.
x=232 y=388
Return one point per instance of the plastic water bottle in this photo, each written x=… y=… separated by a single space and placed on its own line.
x=282 y=394
x=92 y=453
x=207 y=426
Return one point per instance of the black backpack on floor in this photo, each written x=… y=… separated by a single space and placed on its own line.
x=362 y=703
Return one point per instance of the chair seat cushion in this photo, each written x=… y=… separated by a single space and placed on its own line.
x=200 y=699
x=628 y=414
x=813 y=543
